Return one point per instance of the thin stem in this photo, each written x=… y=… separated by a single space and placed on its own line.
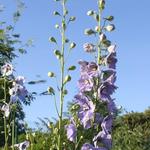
x=62 y=76
x=13 y=131
x=5 y=121
x=99 y=26
x=56 y=106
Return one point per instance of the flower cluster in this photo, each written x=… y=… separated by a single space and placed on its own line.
x=17 y=92
x=96 y=107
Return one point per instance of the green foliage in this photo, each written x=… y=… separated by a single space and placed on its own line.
x=131 y=132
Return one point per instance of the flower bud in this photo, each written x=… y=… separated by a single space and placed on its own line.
x=97 y=29
x=66 y=40
x=110 y=27
x=51 y=74
x=106 y=43
x=56 y=26
x=65 y=92
x=89 y=32
x=81 y=137
x=57 y=54
x=72 y=45
x=56 y=13
x=67 y=79
x=90 y=13
x=71 y=68
x=102 y=4
x=109 y=18
x=72 y=18
x=50 y=90
x=53 y=40
x=102 y=37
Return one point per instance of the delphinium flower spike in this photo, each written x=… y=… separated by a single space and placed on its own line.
x=96 y=107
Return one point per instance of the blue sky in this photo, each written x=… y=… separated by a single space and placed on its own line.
x=131 y=36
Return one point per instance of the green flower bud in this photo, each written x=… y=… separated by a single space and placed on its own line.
x=72 y=18
x=90 y=13
x=89 y=32
x=57 y=54
x=56 y=13
x=101 y=4
x=65 y=92
x=50 y=91
x=110 y=27
x=97 y=29
x=66 y=12
x=72 y=45
x=53 y=40
x=109 y=18
x=102 y=37
x=66 y=40
x=67 y=79
x=106 y=43
x=51 y=74
x=81 y=137
x=71 y=68
x=56 y=26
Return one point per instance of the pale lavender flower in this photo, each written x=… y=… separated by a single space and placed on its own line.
x=89 y=47
x=88 y=68
x=87 y=146
x=23 y=146
x=6 y=109
x=71 y=132
x=86 y=111
x=19 y=80
x=109 y=76
x=85 y=83
x=7 y=69
x=18 y=92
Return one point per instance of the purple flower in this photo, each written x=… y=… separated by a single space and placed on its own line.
x=109 y=76
x=19 y=80
x=87 y=146
x=111 y=107
x=86 y=111
x=88 y=68
x=107 y=124
x=103 y=137
x=7 y=69
x=105 y=90
x=71 y=132
x=98 y=119
x=111 y=60
x=85 y=83
x=18 y=91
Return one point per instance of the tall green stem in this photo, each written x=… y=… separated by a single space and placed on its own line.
x=99 y=27
x=5 y=121
x=13 y=131
x=62 y=76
